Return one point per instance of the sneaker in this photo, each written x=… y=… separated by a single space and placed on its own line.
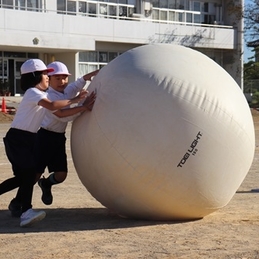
x=30 y=216
x=15 y=208
x=46 y=197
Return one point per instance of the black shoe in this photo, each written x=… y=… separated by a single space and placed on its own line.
x=46 y=197
x=15 y=208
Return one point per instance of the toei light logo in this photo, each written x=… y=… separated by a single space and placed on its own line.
x=191 y=151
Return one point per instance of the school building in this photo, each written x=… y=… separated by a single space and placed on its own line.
x=87 y=34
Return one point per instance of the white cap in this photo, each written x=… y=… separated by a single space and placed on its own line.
x=59 y=69
x=32 y=65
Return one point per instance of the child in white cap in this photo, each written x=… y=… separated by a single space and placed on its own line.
x=51 y=136
x=20 y=138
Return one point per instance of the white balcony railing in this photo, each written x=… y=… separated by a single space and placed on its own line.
x=125 y=12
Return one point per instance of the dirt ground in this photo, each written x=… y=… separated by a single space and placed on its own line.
x=77 y=226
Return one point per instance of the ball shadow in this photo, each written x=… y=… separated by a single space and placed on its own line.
x=75 y=219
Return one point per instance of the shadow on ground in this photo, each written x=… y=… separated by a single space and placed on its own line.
x=76 y=219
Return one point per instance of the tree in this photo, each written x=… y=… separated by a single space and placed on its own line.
x=251 y=81
x=251 y=33
x=251 y=15
x=251 y=70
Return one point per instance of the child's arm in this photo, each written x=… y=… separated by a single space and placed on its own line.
x=73 y=88
x=90 y=100
x=87 y=105
x=68 y=113
x=56 y=105
x=88 y=77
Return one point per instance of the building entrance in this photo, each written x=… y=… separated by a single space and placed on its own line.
x=10 y=64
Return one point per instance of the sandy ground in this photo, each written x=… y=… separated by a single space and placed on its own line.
x=77 y=226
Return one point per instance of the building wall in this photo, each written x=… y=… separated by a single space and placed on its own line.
x=55 y=31
x=56 y=36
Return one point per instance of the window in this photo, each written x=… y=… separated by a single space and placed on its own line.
x=15 y=54
x=156 y=3
x=93 y=60
x=3 y=69
x=163 y=15
x=32 y=5
x=180 y=4
x=92 y=8
x=155 y=14
x=103 y=9
x=159 y=12
x=112 y=10
x=88 y=56
x=205 y=16
x=7 y=4
x=205 y=7
x=103 y=57
x=107 y=8
x=71 y=7
x=197 y=6
x=170 y=4
x=197 y=18
x=20 y=4
x=112 y=55
x=163 y=4
x=33 y=55
x=86 y=68
x=123 y=11
x=61 y=6
x=68 y=7
x=28 y=5
x=189 y=17
x=209 y=19
x=82 y=7
x=122 y=2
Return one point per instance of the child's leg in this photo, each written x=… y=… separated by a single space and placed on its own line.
x=29 y=215
x=46 y=184
x=26 y=189
x=57 y=177
x=9 y=184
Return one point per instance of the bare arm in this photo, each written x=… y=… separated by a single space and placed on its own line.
x=56 y=105
x=87 y=105
x=69 y=112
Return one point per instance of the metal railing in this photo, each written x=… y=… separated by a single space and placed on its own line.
x=127 y=12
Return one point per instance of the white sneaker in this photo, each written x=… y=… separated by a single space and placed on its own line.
x=30 y=216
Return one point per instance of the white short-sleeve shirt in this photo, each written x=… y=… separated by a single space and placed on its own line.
x=29 y=114
x=53 y=123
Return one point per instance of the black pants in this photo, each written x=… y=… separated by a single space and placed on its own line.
x=51 y=151
x=20 y=150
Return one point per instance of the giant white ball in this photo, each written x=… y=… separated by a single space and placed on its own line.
x=170 y=136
